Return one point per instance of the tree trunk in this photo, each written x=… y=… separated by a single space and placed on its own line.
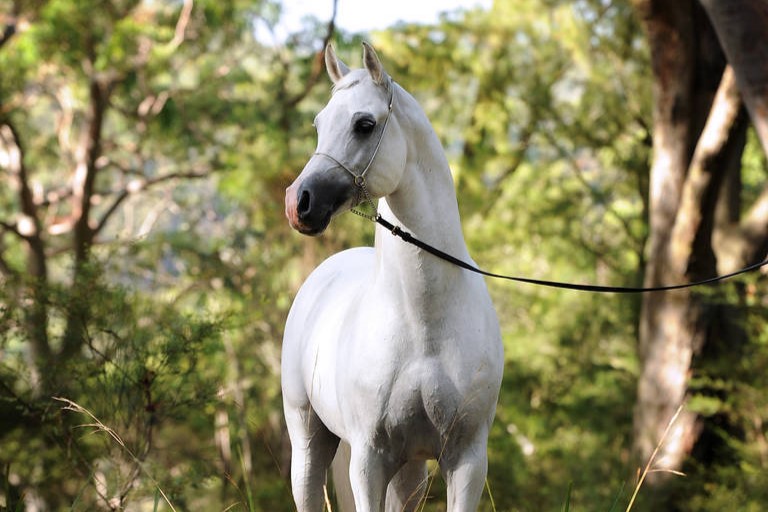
x=666 y=328
x=694 y=203
x=683 y=190
x=35 y=283
x=741 y=27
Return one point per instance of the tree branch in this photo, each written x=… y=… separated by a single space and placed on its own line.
x=10 y=228
x=181 y=24
x=317 y=64
x=37 y=268
x=86 y=168
x=87 y=154
x=8 y=32
x=22 y=14
x=695 y=217
x=133 y=189
x=598 y=195
x=10 y=137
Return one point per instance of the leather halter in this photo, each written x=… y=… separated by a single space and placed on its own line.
x=360 y=177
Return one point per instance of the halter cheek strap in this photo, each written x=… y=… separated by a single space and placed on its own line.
x=360 y=177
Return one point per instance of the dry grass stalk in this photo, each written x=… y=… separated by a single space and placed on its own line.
x=99 y=426
x=647 y=468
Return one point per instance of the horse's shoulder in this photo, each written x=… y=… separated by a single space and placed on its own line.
x=357 y=256
x=344 y=265
x=344 y=269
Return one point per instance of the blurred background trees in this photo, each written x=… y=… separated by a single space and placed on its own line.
x=147 y=268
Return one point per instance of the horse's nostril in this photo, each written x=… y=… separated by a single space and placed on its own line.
x=304 y=203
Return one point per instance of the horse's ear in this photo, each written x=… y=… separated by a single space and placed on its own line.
x=336 y=68
x=373 y=64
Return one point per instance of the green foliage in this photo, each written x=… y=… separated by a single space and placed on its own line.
x=148 y=369
x=730 y=394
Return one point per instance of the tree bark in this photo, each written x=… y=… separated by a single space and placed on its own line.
x=665 y=344
x=741 y=29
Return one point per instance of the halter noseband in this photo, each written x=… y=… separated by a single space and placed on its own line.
x=360 y=178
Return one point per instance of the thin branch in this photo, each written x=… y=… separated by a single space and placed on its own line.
x=8 y=32
x=598 y=195
x=10 y=228
x=10 y=137
x=128 y=191
x=317 y=64
x=38 y=268
x=86 y=169
x=99 y=426
x=518 y=157
x=181 y=25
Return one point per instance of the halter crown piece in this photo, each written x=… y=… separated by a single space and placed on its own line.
x=360 y=177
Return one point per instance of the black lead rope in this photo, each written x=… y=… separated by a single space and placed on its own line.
x=406 y=236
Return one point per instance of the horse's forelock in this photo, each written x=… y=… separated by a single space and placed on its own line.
x=355 y=78
x=344 y=84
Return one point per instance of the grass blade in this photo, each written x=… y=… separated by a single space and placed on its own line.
x=567 y=505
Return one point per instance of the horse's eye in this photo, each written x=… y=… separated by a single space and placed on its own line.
x=365 y=126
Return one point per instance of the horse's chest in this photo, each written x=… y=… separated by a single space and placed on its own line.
x=414 y=409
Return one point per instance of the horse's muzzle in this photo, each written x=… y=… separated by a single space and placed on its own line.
x=310 y=203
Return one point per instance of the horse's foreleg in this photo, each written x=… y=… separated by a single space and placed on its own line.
x=369 y=473
x=406 y=490
x=312 y=450
x=465 y=474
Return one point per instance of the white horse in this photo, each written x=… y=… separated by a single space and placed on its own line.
x=388 y=349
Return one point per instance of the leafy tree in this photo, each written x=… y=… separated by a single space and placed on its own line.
x=109 y=111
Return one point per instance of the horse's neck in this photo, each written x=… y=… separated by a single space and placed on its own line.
x=424 y=205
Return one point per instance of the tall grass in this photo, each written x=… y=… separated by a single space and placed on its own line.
x=99 y=426
x=646 y=470
x=652 y=458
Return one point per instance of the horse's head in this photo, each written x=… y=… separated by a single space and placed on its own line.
x=360 y=146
